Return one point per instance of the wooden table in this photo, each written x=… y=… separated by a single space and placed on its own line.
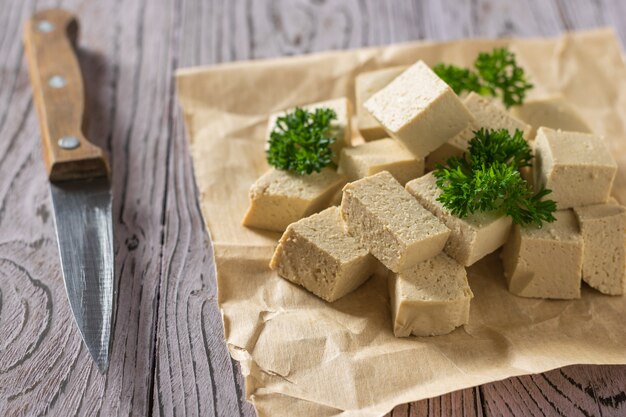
x=168 y=354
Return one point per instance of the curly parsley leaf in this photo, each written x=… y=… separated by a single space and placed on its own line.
x=496 y=74
x=502 y=76
x=489 y=146
x=488 y=180
x=529 y=208
x=459 y=79
x=301 y=141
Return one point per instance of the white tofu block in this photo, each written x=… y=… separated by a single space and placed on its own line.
x=546 y=262
x=471 y=238
x=577 y=167
x=430 y=298
x=380 y=155
x=319 y=255
x=554 y=112
x=365 y=85
x=390 y=223
x=279 y=198
x=603 y=228
x=340 y=127
x=488 y=113
x=419 y=109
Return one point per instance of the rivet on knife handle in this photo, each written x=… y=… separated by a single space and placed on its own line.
x=49 y=41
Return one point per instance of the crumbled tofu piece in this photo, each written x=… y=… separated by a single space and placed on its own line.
x=471 y=238
x=488 y=113
x=365 y=85
x=419 y=109
x=430 y=298
x=554 y=112
x=340 y=127
x=577 y=167
x=319 y=255
x=546 y=262
x=390 y=223
x=380 y=155
x=279 y=198
x=603 y=228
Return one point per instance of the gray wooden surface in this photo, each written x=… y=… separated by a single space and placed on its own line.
x=168 y=355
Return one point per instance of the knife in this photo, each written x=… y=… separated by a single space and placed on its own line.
x=78 y=172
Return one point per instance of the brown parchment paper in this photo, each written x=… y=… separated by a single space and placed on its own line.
x=304 y=357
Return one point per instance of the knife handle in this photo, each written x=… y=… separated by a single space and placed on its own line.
x=49 y=41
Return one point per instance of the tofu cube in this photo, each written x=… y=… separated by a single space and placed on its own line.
x=471 y=238
x=488 y=113
x=365 y=85
x=380 y=155
x=279 y=198
x=554 y=112
x=603 y=227
x=577 y=167
x=430 y=298
x=317 y=254
x=545 y=262
x=340 y=127
x=390 y=223
x=419 y=109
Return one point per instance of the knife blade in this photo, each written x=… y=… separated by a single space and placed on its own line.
x=78 y=172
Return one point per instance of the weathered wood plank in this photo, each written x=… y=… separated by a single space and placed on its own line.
x=44 y=368
x=194 y=373
x=464 y=403
x=570 y=391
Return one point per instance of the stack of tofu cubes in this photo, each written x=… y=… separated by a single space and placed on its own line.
x=379 y=213
x=587 y=239
x=381 y=224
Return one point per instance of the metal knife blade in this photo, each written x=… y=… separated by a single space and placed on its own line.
x=78 y=172
x=82 y=214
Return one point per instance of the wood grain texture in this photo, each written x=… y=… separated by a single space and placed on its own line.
x=168 y=356
x=45 y=370
x=61 y=109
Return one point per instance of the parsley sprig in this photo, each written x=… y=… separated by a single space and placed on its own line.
x=491 y=146
x=301 y=141
x=502 y=76
x=488 y=180
x=461 y=79
x=496 y=74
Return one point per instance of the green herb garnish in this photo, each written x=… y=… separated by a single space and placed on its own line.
x=496 y=74
x=460 y=79
x=301 y=141
x=502 y=76
x=491 y=146
x=488 y=179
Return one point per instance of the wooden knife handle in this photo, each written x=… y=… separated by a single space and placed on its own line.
x=49 y=41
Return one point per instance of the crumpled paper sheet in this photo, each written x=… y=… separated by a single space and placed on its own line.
x=304 y=357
